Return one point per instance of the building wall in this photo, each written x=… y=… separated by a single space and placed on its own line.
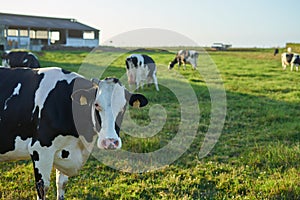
x=78 y=42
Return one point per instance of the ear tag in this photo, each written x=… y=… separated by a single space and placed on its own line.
x=136 y=104
x=83 y=101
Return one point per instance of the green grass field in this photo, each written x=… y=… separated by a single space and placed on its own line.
x=256 y=157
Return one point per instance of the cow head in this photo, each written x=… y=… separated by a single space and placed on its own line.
x=108 y=100
x=172 y=64
x=131 y=67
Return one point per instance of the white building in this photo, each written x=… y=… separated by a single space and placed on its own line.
x=34 y=32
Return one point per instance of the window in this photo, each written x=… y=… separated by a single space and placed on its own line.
x=12 y=32
x=41 y=34
x=54 y=36
x=89 y=35
x=32 y=34
x=24 y=33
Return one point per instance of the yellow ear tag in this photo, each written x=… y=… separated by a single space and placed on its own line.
x=136 y=104
x=83 y=101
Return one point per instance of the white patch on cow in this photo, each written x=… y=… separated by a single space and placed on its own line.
x=51 y=76
x=111 y=98
x=61 y=181
x=20 y=152
x=25 y=61
x=52 y=156
x=15 y=93
x=79 y=150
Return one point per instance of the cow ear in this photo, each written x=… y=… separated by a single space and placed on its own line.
x=136 y=100
x=84 y=97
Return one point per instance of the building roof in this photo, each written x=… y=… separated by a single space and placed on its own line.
x=38 y=22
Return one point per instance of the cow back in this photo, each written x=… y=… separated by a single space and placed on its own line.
x=150 y=63
x=17 y=89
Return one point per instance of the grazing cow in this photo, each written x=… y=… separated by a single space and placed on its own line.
x=20 y=59
x=276 y=51
x=54 y=117
x=185 y=56
x=290 y=59
x=295 y=62
x=140 y=69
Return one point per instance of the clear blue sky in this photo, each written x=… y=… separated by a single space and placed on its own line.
x=260 y=23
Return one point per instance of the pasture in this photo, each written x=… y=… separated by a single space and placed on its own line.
x=256 y=157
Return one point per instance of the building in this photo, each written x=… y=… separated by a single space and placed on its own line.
x=34 y=32
x=220 y=46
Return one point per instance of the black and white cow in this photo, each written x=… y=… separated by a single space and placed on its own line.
x=183 y=57
x=290 y=59
x=140 y=69
x=295 y=62
x=20 y=59
x=54 y=117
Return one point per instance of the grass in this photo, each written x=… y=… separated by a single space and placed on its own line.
x=256 y=156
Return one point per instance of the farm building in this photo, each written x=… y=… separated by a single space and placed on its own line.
x=34 y=32
x=220 y=46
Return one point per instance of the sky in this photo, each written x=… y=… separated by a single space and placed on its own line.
x=242 y=23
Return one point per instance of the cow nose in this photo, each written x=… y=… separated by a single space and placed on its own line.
x=110 y=143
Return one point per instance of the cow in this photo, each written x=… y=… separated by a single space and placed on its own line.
x=55 y=117
x=140 y=69
x=20 y=59
x=276 y=51
x=295 y=62
x=290 y=59
x=183 y=57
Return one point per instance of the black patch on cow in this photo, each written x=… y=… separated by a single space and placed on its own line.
x=65 y=154
x=289 y=57
x=134 y=60
x=56 y=118
x=297 y=60
x=65 y=71
x=127 y=65
x=150 y=63
x=16 y=117
x=35 y=156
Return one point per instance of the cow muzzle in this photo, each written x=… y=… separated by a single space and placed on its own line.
x=110 y=144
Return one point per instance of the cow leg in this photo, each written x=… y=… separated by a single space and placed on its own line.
x=292 y=66
x=139 y=82
x=178 y=62
x=283 y=65
x=42 y=163
x=155 y=81
x=184 y=64
x=61 y=181
x=194 y=65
